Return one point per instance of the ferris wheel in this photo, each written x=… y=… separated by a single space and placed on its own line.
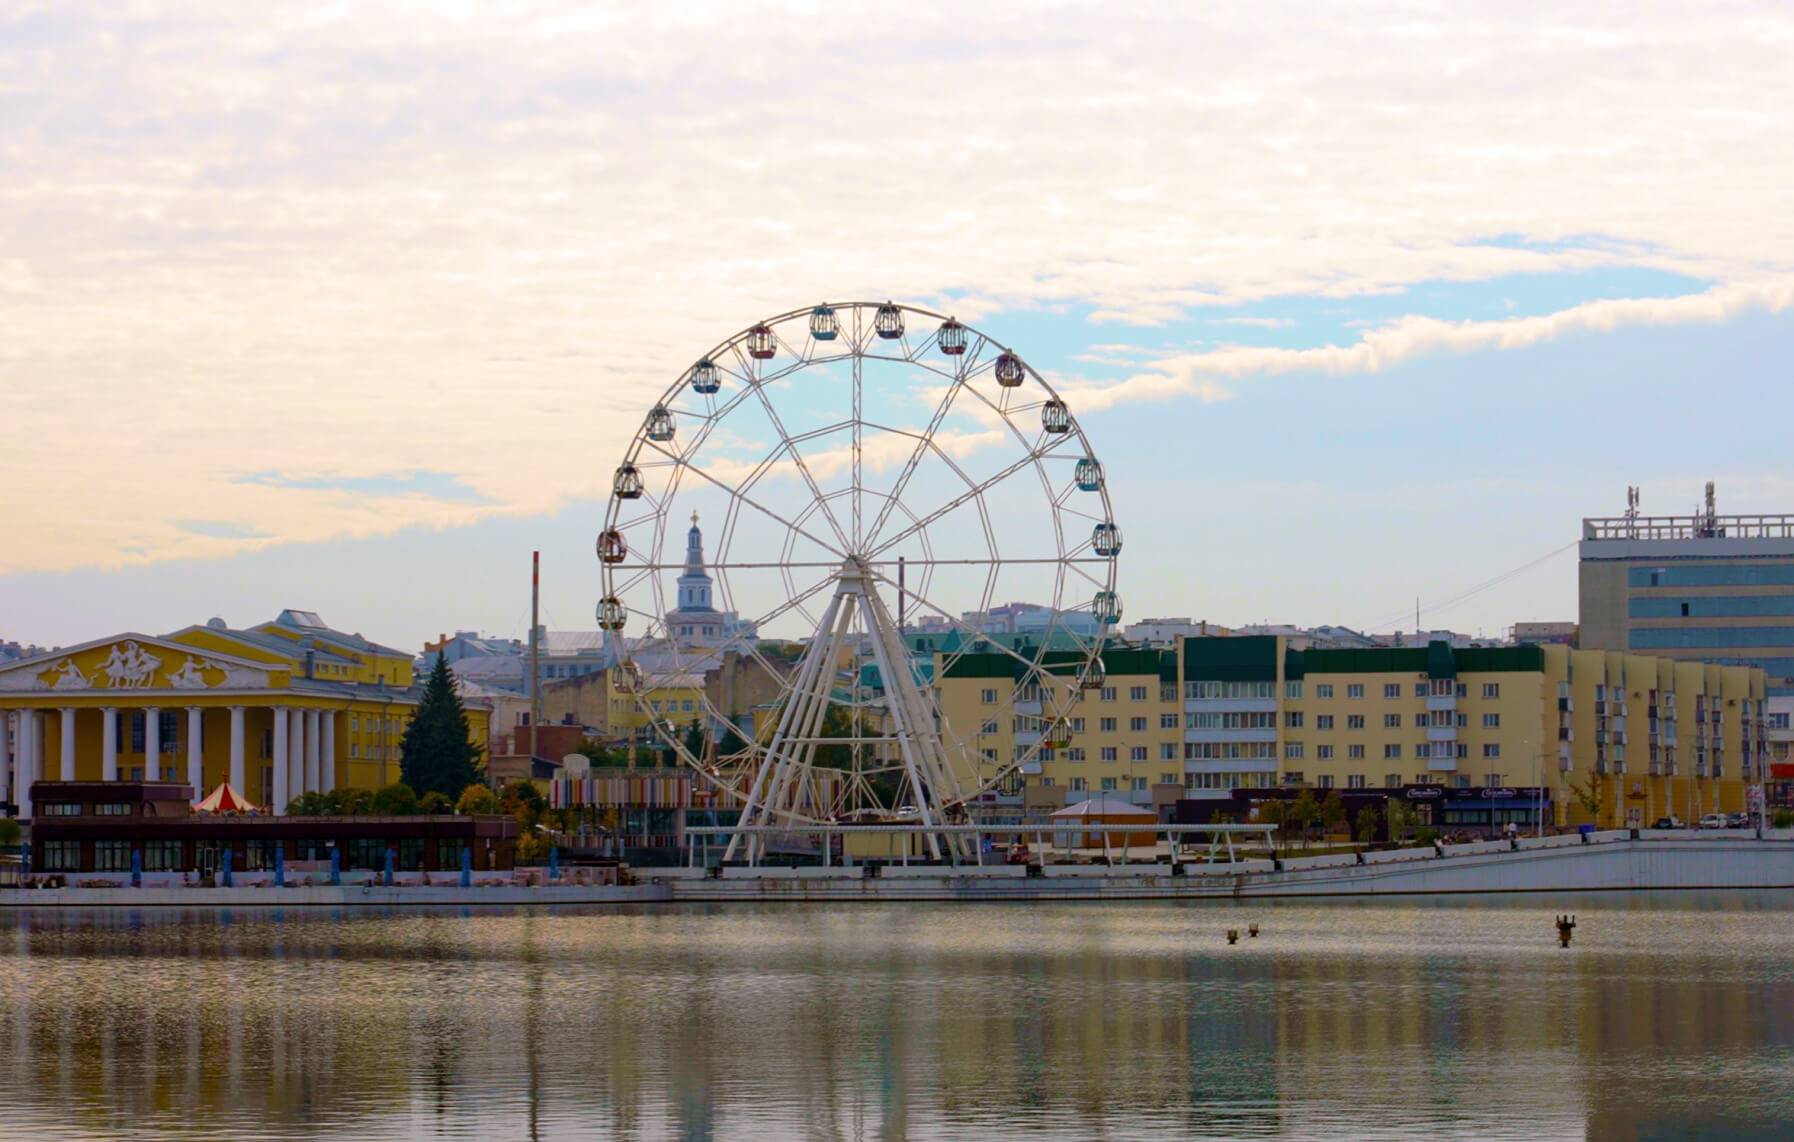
x=868 y=487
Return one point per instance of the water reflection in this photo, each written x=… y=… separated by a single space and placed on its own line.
x=1669 y=1017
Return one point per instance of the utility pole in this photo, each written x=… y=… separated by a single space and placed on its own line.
x=535 y=652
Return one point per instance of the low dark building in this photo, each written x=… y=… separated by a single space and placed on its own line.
x=97 y=827
x=1471 y=809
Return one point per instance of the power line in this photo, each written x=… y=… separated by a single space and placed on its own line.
x=1478 y=589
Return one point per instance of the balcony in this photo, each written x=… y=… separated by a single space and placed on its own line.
x=1230 y=735
x=1566 y=734
x=1028 y=709
x=1441 y=733
x=1027 y=737
x=1442 y=765
x=1565 y=705
x=1442 y=702
x=1234 y=705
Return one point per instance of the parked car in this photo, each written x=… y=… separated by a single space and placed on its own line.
x=1667 y=823
x=1738 y=821
x=1713 y=821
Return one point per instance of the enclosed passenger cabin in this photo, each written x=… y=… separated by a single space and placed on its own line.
x=611 y=613
x=1106 y=606
x=888 y=322
x=1054 y=418
x=705 y=378
x=1093 y=675
x=952 y=338
x=1009 y=370
x=611 y=547
x=761 y=344
x=1105 y=539
x=627 y=485
x=1089 y=475
x=660 y=424
x=823 y=325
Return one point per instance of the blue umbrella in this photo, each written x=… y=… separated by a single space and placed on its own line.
x=554 y=864
x=136 y=868
x=226 y=866
x=280 y=867
x=387 y=878
x=336 y=865
x=466 y=867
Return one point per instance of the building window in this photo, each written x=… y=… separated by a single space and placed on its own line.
x=1778 y=721
x=259 y=855
x=1422 y=749
x=1463 y=690
x=1392 y=781
x=1420 y=689
x=1167 y=751
x=1106 y=725
x=1392 y=751
x=1167 y=693
x=1077 y=785
x=1491 y=749
x=1354 y=690
x=1136 y=694
x=1209 y=691
x=1108 y=753
x=1136 y=725
x=1292 y=751
x=1136 y=753
x=1292 y=690
x=1075 y=753
x=1046 y=783
x=61 y=856
x=1493 y=780
x=1077 y=725
x=112 y=809
x=1326 y=781
x=1137 y=784
x=1108 y=693
x=1324 y=690
x=1293 y=777
x=59 y=809
x=1355 y=752
x=1462 y=720
x=1167 y=721
x=1392 y=689
x=1168 y=779
x=161 y=856
x=1463 y=749
x=1460 y=781
x=1392 y=721
x=1354 y=721
x=1324 y=752
x=1108 y=785
x=1355 y=781
x=1491 y=689
x=1491 y=721
x=1323 y=721
x=354 y=751
x=989 y=726
x=1292 y=719
x=1420 y=721
x=112 y=856
x=988 y=697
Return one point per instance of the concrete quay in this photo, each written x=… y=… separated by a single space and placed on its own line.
x=1605 y=862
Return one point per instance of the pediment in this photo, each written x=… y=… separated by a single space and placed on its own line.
x=133 y=662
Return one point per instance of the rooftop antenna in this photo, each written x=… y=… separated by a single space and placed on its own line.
x=1631 y=512
x=1706 y=526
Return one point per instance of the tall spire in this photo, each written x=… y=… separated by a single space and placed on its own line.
x=694 y=585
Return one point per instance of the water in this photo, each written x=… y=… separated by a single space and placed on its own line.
x=1669 y=1017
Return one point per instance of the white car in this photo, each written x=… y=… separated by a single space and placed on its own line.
x=1713 y=821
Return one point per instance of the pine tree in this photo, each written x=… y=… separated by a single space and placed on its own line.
x=437 y=754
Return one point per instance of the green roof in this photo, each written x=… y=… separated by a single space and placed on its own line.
x=1435 y=660
x=1252 y=658
x=1116 y=663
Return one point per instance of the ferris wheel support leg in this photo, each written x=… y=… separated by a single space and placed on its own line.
x=789 y=779
x=922 y=762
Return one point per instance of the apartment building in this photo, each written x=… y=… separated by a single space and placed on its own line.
x=1590 y=736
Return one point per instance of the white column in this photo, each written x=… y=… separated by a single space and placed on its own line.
x=236 y=750
x=196 y=739
x=27 y=768
x=312 y=756
x=109 y=744
x=295 y=751
x=68 y=743
x=281 y=793
x=152 y=744
x=327 y=746
x=7 y=740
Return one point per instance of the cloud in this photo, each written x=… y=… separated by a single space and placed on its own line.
x=1258 y=322
x=1389 y=345
x=341 y=242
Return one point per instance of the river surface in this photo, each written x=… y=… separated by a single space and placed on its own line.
x=1669 y=1017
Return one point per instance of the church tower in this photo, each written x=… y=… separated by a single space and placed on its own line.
x=694 y=585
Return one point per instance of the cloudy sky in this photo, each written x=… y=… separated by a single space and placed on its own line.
x=351 y=306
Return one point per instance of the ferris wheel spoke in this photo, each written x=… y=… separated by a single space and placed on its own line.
x=915 y=459
x=797 y=457
x=973 y=493
x=755 y=504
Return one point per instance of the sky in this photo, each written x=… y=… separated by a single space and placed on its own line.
x=351 y=307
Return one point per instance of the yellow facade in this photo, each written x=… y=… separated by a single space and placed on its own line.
x=276 y=710
x=1214 y=715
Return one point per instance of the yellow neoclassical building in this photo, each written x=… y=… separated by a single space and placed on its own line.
x=287 y=707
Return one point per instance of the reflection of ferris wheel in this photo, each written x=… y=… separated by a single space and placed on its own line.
x=851 y=461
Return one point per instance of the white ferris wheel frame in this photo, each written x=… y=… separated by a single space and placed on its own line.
x=783 y=786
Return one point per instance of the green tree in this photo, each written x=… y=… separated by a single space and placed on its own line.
x=311 y=805
x=732 y=743
x=696 y=740
x=476 y=799
x=10 y=833
x=1402 y=819
x=1333 y=812
x=1368 y=821
x=433 y=803
x=522 y=800
x=1302 y=813
x=437 y=753
x=395 y=800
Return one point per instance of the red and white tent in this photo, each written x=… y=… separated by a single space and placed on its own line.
x=224 y=799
